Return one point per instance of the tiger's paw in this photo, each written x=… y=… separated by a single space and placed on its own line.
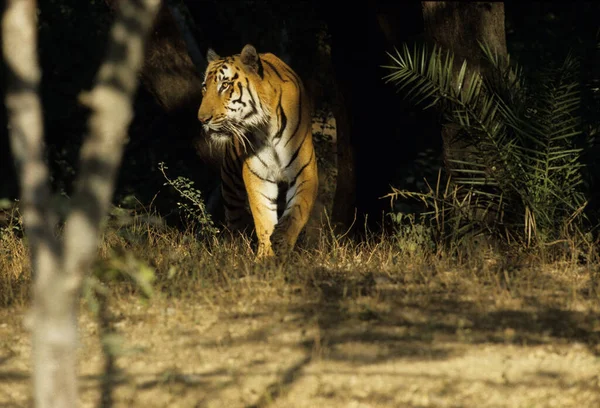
x=279 y=239
x=264 y=253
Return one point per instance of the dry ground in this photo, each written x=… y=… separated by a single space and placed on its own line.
x=346 y=336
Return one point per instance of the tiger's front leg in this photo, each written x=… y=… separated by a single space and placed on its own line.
x=300 y=198
x=262 y=198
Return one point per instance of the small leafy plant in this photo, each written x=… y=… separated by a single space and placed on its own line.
x=192 y=204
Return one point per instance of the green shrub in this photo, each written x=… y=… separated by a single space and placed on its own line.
x=519 y=176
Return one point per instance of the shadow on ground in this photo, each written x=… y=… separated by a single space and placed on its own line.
x=359 y=320
x=368 y=321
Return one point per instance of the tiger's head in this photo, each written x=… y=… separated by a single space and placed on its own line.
x=233 y=98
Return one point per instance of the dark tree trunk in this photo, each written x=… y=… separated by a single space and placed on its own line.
x=344 y=201
x=459 y=27
x=374 y=131
x=174 y=80
x=169 y=73
x=171 y=76
x=357 y=82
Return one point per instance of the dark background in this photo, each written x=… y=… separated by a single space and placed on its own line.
x=329 y=44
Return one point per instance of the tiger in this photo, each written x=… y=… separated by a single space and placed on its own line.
x=256 y=108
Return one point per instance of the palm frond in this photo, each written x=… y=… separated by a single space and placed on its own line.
x=519 y=135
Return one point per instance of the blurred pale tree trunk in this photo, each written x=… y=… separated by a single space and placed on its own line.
x=460 y=27
x=59 y=265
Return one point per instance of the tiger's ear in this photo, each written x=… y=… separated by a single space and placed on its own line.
x=211 y=55
x=250 y=58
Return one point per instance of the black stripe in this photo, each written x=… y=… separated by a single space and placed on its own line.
x=293 y=182
x=271 y=200
x=261 y=71
x=259 y=102
x=294 y=196
x=239 y=100
x=261 y=161
x=254 y=111
x=295 y=155
x=297 y=123
x=275 y=70
x=258 y=176
x=295 y=193
x=283 y=122
x=281 y=193
x=292 y=74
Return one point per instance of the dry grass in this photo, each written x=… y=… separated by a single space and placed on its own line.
x=183 y=266
x=384 y=322
x=15 y=268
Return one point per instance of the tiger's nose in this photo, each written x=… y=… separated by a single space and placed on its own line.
x=204 y=118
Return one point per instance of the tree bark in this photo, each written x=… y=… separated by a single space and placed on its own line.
x=60 y=266
x=169 y=73
x=175 y=81
x=355 y=68
x=172 y=74
x=344 y=200
x=180 y=15
x=375 y=133
x=459 y=27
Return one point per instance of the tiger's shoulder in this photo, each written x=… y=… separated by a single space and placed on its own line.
x=278 y=69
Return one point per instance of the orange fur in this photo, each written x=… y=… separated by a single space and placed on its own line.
x=257 y=106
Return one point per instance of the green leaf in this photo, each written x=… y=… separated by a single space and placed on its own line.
x=525 y=129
